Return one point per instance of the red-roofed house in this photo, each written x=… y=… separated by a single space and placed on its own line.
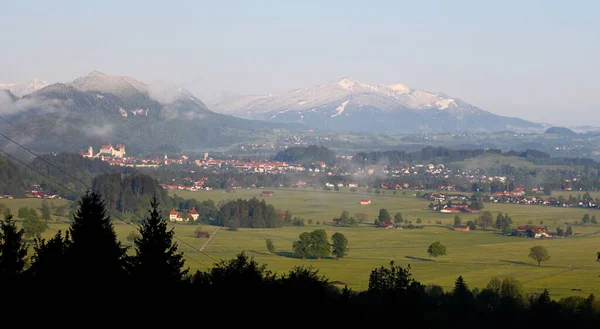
x=173 y=215
x=193 y=214
x=386 y=224
x=365 y=202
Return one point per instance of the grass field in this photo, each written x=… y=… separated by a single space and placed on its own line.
x=476 y=255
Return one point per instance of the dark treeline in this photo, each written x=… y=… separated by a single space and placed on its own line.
x=13 y=179
x=248 y=213
x=306 y=155
x=129 y=193
x=17 y=180
x=445 y=155
x=88 y=264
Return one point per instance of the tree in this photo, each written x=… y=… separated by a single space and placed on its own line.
x=340 y=244
x=312 y=245
x=95 y=250
x=157 y=259
x=13 y=250
x=6 y=212
x=594 y=220
x=569 y=231
x=457 y=220
x=398 y=219
x=344 y=218
x=585 y=219
x=485 y=220
x=34 y=227
x=560 y=231
x=471 y=225
x=436 y=249
x=539 y=254
x=61 y=211
x=384 y=215
x=270 y=246
x=495 y=285
x=461 y=290
x=511 y=288
x=419 y=220
x=23 y=212
x=45 y=211
x=132 y=236
x=361 y=217
x=302 y=245
x=287 y=217
x=499 y=221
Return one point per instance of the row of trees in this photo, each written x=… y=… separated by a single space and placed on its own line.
x=248 y=213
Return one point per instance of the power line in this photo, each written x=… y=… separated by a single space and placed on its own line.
x=78 y=194
x=87 y=186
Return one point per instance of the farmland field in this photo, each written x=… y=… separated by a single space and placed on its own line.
x=475 y=255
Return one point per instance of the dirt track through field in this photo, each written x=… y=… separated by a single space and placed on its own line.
x=210 y=238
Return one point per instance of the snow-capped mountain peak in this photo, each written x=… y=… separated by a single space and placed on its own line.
x=351 y=104
x=399 y=87
x=22 y=89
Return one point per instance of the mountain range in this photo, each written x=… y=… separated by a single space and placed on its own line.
x=100 y=108
x=350 y=105
x=22 y=89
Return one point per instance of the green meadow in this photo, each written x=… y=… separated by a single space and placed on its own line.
x=476 y=255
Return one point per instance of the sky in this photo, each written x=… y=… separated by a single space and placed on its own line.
x=537 y=60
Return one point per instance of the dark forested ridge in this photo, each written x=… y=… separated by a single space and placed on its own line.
x=445 y=156
x=13 y=179
x=306 y=155
x=91 y=264
x=73 y=178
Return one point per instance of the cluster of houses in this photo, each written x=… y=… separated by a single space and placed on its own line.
x=250 y=166
x=38 y=192
x=527 y=230
x=192 y=185
x=176 y=216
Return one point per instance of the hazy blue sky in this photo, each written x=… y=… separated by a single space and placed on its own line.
x=539 y=60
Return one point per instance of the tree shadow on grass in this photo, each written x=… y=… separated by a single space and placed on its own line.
x=420 y=259
x=259 y=252
x=512 y=262
x=285 y=254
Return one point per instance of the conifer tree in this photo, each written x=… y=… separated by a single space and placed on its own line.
x=95 y=253
x=157 y=260
x=13 y=250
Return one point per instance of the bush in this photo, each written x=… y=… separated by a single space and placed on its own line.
x=232 y=228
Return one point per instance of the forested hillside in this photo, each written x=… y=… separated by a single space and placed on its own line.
x=306 y=155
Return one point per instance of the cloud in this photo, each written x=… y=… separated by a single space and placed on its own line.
x=166 y=93
x=103 y=131
x=9 y=107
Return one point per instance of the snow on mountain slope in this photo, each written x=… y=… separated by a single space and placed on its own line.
x=20 y=90
x=349 y=104
x=384 y=97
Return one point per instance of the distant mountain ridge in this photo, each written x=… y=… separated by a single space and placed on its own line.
x=20 y=90
x=350 y=105
x=102 y=108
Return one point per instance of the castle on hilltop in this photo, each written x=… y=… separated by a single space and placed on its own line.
x=109 y=150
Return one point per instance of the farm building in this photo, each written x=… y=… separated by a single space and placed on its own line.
x=267 y=193
x=365 y=202
x=461 y=228
x=386 y=224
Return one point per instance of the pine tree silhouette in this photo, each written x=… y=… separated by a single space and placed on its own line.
x=13 y=251
x=157 y=260
x=95 y=255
